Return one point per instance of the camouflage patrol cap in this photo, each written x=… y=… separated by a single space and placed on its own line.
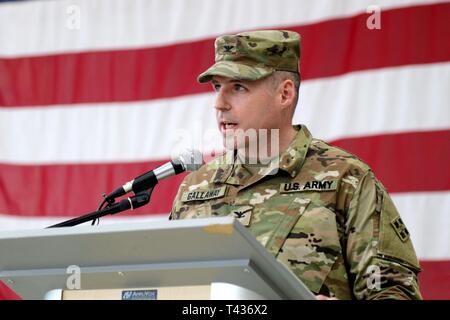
x=254 y=55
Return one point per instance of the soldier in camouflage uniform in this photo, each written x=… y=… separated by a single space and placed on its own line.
x=318 y=209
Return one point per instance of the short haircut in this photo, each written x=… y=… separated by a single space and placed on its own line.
x=279 y=76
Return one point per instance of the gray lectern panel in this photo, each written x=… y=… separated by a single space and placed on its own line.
x=165 y=253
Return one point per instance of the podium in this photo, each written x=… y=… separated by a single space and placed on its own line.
x=214 y=258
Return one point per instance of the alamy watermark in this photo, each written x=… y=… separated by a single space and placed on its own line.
x=374 y=278
x=73 y=20
x=256 y=146
x=373 y=22
x=73 y=281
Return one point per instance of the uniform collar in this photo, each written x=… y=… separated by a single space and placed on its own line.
x=290 y=161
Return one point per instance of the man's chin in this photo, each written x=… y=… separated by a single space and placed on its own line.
x=230 y=145
x=232 y=142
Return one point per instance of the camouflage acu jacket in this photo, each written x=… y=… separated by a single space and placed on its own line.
x=320 y=211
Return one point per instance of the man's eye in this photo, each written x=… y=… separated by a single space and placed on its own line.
x=239 y=87
x=216 y=87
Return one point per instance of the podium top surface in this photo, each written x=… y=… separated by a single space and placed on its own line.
x=46 y=251
x=178 y=240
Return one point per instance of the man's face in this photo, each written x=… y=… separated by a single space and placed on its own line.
x=242 y=105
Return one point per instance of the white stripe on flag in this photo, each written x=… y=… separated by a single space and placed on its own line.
x=332 y=108
x=16 y=224
x=80 y=25
x=378 y=101
x=427 y=217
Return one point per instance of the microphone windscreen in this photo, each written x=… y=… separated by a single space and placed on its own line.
x=191 y=159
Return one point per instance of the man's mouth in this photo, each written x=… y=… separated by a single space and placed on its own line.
x=227 y=125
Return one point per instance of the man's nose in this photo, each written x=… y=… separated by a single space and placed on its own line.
x=221 y=102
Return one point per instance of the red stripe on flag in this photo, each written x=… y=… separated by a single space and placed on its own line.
x=7 y=294
x=410 y=35
x=405 y=162
x=75 y=189
x=418 y=162
x=434 y=280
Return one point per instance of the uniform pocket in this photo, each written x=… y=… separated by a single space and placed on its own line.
x=271 y=227
x=192 y=211
x=312 y=247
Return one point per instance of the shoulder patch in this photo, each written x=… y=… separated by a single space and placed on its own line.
x=314 y=185
x=203 y=194
x=400 y=229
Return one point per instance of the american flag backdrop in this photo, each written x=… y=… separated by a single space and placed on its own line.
x=96 y=92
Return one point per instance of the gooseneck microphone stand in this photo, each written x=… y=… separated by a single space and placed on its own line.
x=139 y=200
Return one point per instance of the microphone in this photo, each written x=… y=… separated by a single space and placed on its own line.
x=189 y=160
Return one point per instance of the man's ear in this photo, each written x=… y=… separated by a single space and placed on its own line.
x=287 y=93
